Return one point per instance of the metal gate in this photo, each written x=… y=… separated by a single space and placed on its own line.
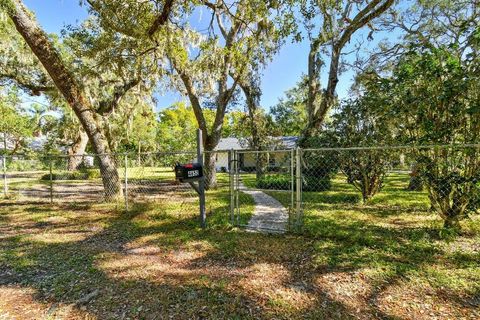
x=264 y=193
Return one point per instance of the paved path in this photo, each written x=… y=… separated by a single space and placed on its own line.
x=269 y=215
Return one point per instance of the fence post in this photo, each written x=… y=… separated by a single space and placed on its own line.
x=237 y=185
x=298 y=192
x=232 y=188
x=292 y=188
x=126 y=182
x=51 y=179
x=4 y=165
x=201 y=183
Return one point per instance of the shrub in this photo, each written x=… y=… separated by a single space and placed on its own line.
x=85 y=174
x=92 y=174
x=315 y=183
x=283 y=182
x=366 y=170
x=319 y=166
x=275 y=182
x=24 y=165
x=452 y=179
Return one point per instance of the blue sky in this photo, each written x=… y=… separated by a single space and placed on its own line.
x=282 y=74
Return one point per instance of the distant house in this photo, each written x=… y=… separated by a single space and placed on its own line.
x=15 y=148
x=34 y=143
x=10 y=144
x=247 y=161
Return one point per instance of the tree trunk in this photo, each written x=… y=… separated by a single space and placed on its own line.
x=317 y=116
x=416 y=183
x=51 y=60
x=210 y=171
x=452 y=223
x=76 y=151
x=314 y=64
x=252 y=93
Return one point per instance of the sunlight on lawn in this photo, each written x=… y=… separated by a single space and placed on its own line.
x=386 y=257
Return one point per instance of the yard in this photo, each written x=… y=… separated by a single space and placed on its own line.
x=387 y=259
x=346 y=187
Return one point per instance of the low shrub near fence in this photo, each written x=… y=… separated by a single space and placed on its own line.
x=313 y=183
x=275 y=182
x=25 y=165
x=284 y=182
x=86 y=174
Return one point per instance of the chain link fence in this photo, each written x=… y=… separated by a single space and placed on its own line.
x=275 y=190
x=264 y=189
x=444 y=180
x=141 y=178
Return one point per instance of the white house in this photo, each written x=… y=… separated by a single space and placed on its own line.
x=247 y=160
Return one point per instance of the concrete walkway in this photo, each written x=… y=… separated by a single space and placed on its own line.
x=269 y=215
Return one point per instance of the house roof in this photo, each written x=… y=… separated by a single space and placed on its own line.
x=37 y=143
x=288 y=142
x=229 y=144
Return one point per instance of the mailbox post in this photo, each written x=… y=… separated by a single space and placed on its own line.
x=193 y=172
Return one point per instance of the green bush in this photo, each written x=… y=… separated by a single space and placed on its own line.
x=84 y=174
x=24 y=165
x=92 y=174
x=275 y=182
x=283 y=182
x=315 y=183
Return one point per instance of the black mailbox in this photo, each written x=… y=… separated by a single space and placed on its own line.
x=188 y=172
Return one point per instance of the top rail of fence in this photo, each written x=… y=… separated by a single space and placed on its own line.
x=432 y=146
x=166 y=153
x=264 y=151
x=243 y=151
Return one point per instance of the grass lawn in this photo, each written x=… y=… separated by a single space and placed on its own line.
x=387 y=259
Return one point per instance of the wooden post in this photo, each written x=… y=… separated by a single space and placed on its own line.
x=201 y=183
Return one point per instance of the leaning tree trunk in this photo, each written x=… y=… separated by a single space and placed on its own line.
x=76 y=151
x=66 y=83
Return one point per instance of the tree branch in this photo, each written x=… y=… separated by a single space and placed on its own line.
x=34 y=89
x=111 y=18
x=108 y=106
x=162 y=18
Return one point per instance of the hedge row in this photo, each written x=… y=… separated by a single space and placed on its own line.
x=86 y=174
x=283 y=182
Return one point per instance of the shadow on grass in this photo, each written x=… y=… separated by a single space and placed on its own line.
x=66 y=271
